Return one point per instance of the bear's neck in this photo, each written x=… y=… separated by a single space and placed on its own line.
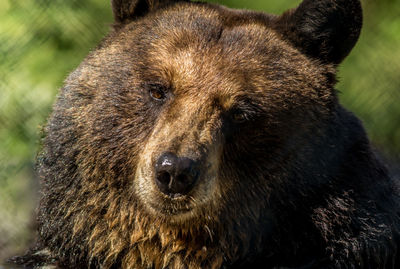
x=340 y=175
x=154 y=243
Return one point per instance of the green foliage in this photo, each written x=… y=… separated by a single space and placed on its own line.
x=370 y=77
x=42 y=40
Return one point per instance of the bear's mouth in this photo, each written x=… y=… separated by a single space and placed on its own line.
x=170 y=207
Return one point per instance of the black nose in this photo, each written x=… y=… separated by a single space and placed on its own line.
x=175 y=175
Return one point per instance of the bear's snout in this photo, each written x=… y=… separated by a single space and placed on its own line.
x=175 y=176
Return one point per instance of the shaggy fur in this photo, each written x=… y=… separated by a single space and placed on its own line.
x=286 y=179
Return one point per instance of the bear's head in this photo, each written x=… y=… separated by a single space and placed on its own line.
x=192 y=131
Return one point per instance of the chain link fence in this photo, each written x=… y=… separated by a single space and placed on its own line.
x=42 y=40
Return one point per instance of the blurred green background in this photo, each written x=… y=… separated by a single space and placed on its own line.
x=41 y=41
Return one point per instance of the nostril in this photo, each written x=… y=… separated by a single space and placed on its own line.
x=182 y=178
x=164 y=178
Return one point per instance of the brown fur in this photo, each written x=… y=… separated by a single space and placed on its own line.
x=283 y=166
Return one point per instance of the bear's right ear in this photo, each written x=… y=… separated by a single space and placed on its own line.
x=323 y=29
x=127 y=10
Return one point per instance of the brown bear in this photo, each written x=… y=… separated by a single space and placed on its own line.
x=198 y=136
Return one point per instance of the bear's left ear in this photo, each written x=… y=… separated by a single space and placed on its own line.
x=127 y=10
x=323 y=29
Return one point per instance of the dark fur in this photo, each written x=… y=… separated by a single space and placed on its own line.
x=288 y=178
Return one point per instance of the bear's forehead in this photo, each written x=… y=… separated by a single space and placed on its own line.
x=209 y=33
x=206 y=52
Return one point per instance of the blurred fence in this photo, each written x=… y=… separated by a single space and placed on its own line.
x=42 y=40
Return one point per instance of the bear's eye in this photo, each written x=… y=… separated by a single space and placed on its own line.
x=157 y=93
x=239 y=116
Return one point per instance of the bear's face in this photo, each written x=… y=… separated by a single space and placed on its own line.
x=218 y=94
x=209 y=101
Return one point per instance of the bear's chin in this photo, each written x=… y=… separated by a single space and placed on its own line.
x=172 y=216
x=170 y=208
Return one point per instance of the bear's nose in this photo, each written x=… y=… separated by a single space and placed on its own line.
x=175 y=175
